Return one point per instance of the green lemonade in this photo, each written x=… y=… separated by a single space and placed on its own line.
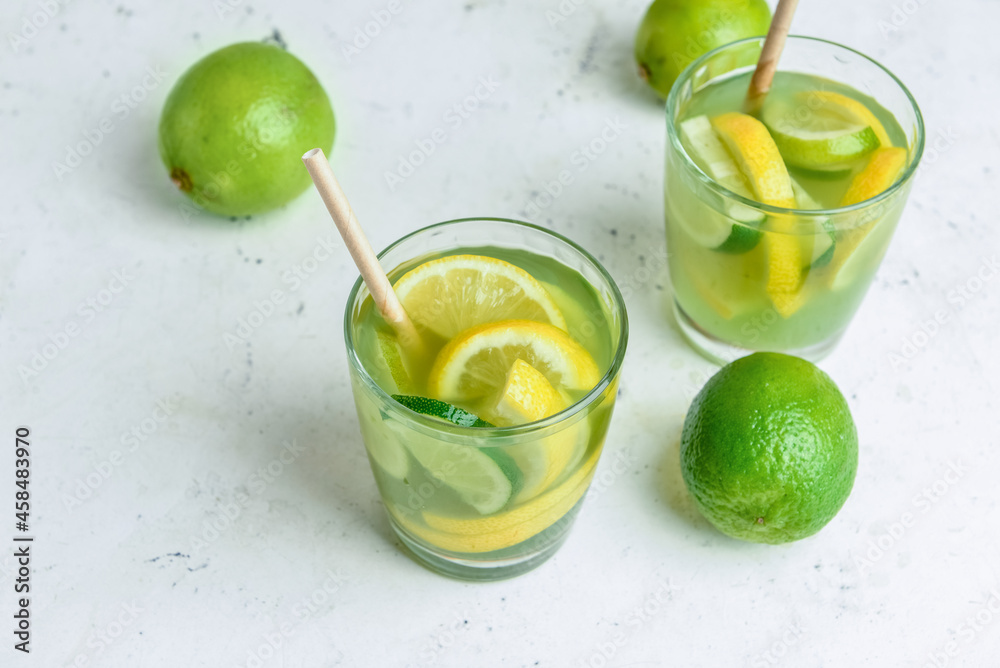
x=487 y=492
x=727 y=258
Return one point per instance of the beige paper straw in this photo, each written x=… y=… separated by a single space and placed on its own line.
x=361 y=250
x=774 y=43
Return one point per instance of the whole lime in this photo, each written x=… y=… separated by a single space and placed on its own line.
x=769 y=450
x=675 y=32
x=235 y=126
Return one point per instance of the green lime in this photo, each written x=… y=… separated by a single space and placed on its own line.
x=818 y=132
x=769 y=450
x=235 y=126
x=675 y=32
x=734 y=232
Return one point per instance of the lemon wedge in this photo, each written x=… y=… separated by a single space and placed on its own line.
x=735 y=232
x=882 y=170
x=757 y=156
x=528 y=396
x=761 y=164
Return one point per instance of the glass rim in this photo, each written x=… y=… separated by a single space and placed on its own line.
x=712 y=185
x=436 y=427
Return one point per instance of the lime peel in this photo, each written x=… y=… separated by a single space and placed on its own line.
x=442 y=410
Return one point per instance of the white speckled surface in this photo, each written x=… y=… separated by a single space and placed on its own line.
x=134 y=575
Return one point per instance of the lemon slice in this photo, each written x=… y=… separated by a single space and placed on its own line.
x=454 y=293
x=475 y=363
x=528 y=396
x=823 y=131
x=883 y=169
x=503 y=530
x=383 y=443
x=761 y=164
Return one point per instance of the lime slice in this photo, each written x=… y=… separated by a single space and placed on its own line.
x=383 y=439
x=803 y=200
x=863 y=259
x=484 y=478
x=475 y=363
x=544 y=461
x=859 y=109
x=383 y=444
x=820 y=132
x=440 y=409
x=503 y=530
x=761 y=164
x=734 y=232
x=822 y=244
x=454 y=293
x=390 y=456
x=392 y=358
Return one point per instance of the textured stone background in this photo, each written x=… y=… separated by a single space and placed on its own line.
x=148 y=429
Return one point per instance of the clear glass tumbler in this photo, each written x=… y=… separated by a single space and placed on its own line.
x=720 y=294
x=414 y=456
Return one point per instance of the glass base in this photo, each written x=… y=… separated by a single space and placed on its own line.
x=491 y=566
x=720 y=352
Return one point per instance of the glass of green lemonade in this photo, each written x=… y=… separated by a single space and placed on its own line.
x=777 y=221
x=483 y=438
